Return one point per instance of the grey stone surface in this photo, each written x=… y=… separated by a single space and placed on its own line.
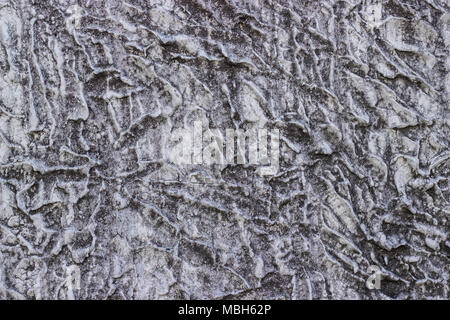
x=90 y=208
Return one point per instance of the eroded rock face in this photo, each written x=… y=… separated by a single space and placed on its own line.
x=90 y=208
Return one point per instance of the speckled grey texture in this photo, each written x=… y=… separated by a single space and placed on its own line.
x=91 y=209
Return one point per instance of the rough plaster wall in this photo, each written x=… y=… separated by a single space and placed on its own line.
x=358 y=89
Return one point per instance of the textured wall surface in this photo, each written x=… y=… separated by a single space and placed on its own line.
x=91 y=209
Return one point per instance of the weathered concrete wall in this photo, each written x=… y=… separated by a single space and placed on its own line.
x=90 y=207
